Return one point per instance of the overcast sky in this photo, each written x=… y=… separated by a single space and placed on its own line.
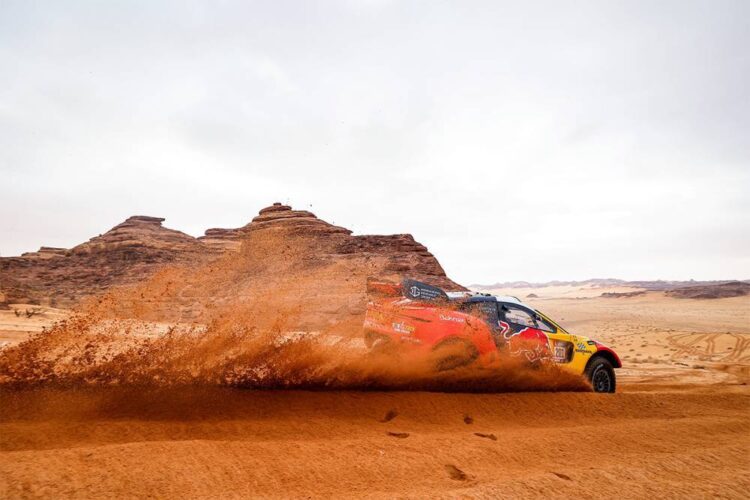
x=517 y=140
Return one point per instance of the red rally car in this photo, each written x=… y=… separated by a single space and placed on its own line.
x=465 y=326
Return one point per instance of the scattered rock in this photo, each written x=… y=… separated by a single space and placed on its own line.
x=400 y=435
x=486 y=436
x=455 y=473
x=389 y=415
x=562 y=476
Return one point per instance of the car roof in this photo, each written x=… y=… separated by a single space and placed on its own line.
x=472 y=297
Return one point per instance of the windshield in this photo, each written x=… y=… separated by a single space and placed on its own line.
x=546 y=324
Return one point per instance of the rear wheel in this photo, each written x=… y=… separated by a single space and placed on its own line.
x=454 y=353
x=601 y=374
x=371 y=338
x=380 y=345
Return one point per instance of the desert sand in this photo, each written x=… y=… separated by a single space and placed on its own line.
x=231 y=444
x=244 y=374
x=678 y=427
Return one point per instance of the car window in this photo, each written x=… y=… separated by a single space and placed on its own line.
x=519 y=317
x=544 y=325
x=484 y=310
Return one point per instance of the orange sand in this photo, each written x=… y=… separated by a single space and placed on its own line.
x=137 y=396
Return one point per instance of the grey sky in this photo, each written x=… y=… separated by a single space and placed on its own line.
x=517 y=140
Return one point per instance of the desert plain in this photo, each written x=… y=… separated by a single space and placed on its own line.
x=678 y=427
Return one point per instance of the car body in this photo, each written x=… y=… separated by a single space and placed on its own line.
x=421 y=317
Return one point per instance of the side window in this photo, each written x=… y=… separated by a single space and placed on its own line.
x=544 y=326
x=519 y=317
x=484 y=310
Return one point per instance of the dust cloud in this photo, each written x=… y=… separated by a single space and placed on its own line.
x=284 y=313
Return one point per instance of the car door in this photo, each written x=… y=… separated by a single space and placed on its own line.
x=561 y=348
x=484 y=331
x=522 y=332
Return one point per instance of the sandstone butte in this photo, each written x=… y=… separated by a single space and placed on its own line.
x=133 y=250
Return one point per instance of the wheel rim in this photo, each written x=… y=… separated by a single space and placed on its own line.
x=601 y=380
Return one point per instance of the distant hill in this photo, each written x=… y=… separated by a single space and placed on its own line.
x=720 y=291
x=657 y=285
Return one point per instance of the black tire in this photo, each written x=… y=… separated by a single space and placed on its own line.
x=453 y=353
x=601 y=374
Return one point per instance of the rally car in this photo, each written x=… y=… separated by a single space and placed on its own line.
x=466 y=326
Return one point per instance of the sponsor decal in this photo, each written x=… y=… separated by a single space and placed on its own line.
x=443 y=317
x=532 y=343
x=533 y=354
x=421 y=291
x=403 y=328
x=504 y=329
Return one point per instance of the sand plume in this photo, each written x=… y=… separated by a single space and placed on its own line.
x=276 y=315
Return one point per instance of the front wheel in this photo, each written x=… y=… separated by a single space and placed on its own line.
x=601 y=374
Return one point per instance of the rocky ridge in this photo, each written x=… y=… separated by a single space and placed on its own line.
x=125 y=254
x=720 y=291
x=134 y=249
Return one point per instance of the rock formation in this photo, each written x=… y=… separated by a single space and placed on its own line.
x=404 y=254
x=133 y=250
x=126 y=253
x=292 y=269
x=221 y=239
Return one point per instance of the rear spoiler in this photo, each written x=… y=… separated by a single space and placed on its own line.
x=409 y=288
x=413 y=289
